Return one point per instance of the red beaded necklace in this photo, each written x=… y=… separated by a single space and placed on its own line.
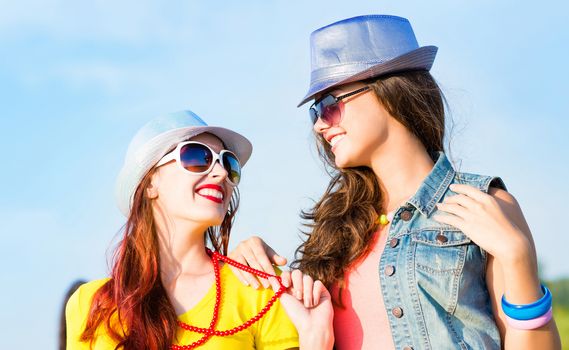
x=211 y=331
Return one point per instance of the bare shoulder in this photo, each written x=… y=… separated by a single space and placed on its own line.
x=511 y=208
x=503 y=196
x=508 y=203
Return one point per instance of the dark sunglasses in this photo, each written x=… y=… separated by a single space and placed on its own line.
x=330 y=108
x=199 y=159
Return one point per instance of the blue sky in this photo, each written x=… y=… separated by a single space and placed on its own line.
x=77 y=79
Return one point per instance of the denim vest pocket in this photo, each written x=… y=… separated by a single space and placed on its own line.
x=440 y=251
x=439 y=259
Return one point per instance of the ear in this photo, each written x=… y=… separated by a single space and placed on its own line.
x=152 y=189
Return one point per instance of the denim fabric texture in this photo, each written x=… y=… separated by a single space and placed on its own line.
x=433 y=276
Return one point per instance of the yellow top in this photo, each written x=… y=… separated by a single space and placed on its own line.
x=238 y=304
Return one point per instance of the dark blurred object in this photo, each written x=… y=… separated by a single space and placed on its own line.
x=62 y=323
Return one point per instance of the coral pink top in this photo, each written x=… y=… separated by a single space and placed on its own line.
x=363 y=324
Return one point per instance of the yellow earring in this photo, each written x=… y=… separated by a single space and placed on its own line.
x=383 y=220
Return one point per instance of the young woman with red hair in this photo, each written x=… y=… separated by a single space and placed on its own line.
x=167 y=289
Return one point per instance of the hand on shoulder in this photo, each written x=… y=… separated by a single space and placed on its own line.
x=493 y=220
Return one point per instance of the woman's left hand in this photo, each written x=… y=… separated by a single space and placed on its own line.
x=481 y=218
x=496 y=224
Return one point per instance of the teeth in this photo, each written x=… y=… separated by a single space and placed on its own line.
x=211 y=192
x=336 y=138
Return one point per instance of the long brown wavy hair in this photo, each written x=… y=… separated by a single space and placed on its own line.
x=341 y=224
x=134 y=296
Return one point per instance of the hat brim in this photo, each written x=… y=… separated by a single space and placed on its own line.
x=418 y=59
x=232 y=140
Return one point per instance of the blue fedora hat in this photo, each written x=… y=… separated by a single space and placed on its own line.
x=364 y=47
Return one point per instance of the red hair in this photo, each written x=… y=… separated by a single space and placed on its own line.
x=134 y=295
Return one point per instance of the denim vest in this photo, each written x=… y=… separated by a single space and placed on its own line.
x=432 y=276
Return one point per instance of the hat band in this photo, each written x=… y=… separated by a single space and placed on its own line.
x=342 y=70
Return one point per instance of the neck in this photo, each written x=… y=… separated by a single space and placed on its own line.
x=182 y=250
x=401 y=165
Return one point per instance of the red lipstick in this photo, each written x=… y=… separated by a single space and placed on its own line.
x=213 y=187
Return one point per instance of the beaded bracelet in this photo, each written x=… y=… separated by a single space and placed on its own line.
x=530 y=324
x=528 y=311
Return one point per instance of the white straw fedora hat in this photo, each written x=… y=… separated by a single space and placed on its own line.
x=157 y=138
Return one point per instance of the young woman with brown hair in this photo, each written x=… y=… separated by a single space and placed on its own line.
x=417 y=254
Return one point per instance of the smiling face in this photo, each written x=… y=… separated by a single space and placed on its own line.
x=181 y=195
x=361 y=132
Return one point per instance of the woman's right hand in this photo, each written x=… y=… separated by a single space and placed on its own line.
x=255 y=253
x=308 y=304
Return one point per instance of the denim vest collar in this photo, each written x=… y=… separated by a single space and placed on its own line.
x=434 y=186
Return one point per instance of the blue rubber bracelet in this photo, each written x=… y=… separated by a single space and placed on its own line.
x=528 y=311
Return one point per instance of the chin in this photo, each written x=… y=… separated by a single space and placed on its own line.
x=340 y=164
x=211 y=222
x=343 y=155
x=350 y=157
x=215 y=220
x=210 y=217
x=342 y=161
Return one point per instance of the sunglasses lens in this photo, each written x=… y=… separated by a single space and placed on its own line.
x=331 y=113
x=195 y=157
x=232 y=166
x=328 y=110
x=313 y=114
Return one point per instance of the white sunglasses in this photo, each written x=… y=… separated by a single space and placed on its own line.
x=199 y=159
